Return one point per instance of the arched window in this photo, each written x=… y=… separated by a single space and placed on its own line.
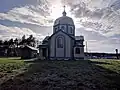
x=77 y=50
x=60 y=42
x=63 y=28
x=71 y=30
x=55 y=29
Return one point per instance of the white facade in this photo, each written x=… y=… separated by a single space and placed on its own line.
x=63 y=51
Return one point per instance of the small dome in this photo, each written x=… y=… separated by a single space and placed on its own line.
x=64 y=20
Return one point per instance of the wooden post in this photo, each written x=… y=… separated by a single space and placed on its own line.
x=117 y=53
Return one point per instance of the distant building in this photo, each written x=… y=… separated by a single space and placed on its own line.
x=28 y=52
x=62 y=44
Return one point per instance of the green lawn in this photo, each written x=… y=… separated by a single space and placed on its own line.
x=68 y=75
x=113 y=65
x=7 y=65
x=10 y=60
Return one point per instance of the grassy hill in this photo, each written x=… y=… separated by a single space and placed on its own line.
x=68 y=75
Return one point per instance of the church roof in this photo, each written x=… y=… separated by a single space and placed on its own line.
x=30 y=47
x=62 y=32
x=46 y=38
x=64 y=20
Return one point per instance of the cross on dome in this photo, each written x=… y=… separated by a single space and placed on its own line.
x=64 y=7
x=64 y=12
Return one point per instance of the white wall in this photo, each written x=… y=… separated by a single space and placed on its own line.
x=60 y=51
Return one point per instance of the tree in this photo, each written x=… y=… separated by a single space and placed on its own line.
x=6 y=47
x=16 y=42
x=16 y=48
x=5 y=43
x=1 y=42
x=23 y=42
x=23 y=38
x=31 y=41
x=31 y=37
x=11 y=42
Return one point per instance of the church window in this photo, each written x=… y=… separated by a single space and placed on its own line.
x=63 y=28
x=77 y=50
x=60 y=42
x=55 y=29
x=71 y=31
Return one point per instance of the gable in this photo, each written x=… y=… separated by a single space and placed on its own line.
x=62 y=33
x=65 y=51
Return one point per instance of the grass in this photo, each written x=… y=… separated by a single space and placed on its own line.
x=68 y=75
x=10 y=60
x=7 y=65
x=113 y=65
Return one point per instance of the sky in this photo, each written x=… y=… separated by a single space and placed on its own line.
x=97 y=21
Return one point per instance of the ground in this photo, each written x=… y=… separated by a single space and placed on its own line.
x=10 y=67
x=7 y=65
x=67 y=75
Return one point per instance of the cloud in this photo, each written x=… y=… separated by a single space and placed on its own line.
x=31 y=15
x=44 y=30
x=98 y=42
x=14 y=32
x=102 y=46
x=90 y=35
x=5 y=6
x=99 y=20
x=102 y=16
x=28 y=14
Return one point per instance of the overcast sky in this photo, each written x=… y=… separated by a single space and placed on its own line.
x=97 y=20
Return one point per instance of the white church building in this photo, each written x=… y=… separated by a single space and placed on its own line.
x=62 y=44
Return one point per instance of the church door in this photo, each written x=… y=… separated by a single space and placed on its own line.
x=44 y=52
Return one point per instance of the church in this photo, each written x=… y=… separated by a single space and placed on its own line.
x=62 y=44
